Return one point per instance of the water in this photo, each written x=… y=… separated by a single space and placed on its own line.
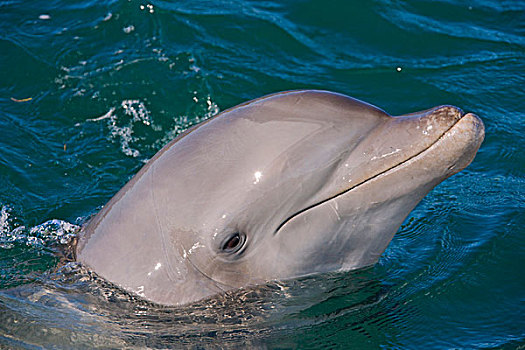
x=90 y=90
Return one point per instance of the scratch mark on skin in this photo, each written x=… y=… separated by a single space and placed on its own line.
x=214 y=282
x=386 y=155
x=335 y=208
x=172 y=275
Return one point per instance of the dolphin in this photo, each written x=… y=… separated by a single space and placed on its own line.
x=287 y=185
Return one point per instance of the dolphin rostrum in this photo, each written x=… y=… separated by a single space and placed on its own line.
x=287 y=185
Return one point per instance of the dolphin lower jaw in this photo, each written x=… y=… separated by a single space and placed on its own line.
x=451 y=153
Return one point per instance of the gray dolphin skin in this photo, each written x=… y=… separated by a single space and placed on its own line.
x=287 y=185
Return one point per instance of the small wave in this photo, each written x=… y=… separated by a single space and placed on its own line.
x=407 y=17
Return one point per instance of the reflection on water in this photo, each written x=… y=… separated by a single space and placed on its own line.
x=73 y=307
x=70 y=306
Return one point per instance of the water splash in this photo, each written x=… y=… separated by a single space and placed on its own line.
x=50 y=233
x=9 y=231
x=122 y=123
x=4 y=219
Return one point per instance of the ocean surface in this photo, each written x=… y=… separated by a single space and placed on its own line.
x=90 y=90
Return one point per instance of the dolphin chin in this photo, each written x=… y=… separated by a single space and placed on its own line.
x=291 y=184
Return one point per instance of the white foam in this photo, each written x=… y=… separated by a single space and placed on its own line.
x=4 y=219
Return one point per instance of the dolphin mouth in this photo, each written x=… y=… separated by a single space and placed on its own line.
x=479 y=138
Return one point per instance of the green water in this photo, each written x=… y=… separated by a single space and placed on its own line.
x=90 y=90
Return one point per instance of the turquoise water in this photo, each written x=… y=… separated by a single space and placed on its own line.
x=90 y=90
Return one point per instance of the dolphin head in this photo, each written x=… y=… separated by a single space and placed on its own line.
x=284 y=186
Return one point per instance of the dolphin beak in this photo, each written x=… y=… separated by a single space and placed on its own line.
x=394 y=168
x=445 y=137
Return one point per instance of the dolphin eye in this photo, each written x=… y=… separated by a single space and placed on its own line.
x=234 y=243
